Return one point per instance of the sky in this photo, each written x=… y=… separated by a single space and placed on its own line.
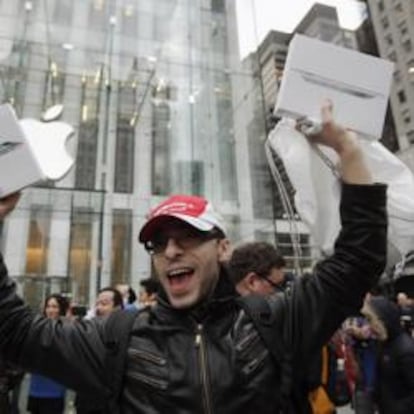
x=284 y=15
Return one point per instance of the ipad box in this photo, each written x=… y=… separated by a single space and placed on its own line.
x=31 y=151
x=358 y=85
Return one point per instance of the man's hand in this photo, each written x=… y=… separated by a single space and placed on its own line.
x=353 y=168
x=7 y=204
x=333 y=135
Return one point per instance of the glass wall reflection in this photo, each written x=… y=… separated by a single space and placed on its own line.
x=161 y=102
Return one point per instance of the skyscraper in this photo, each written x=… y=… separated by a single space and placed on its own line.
x=392 y=21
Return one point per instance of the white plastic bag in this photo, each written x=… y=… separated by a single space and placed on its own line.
x=318 y=189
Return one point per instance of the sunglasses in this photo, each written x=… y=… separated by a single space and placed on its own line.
x=279 y=287
x=187 y=238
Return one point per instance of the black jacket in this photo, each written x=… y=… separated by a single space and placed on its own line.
x=395 y=374
x=209 y=360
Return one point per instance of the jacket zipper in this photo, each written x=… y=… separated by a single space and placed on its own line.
x=254 y=363
x=152 y=382
x=202 y=357
x=147 y=356
x=245 y=342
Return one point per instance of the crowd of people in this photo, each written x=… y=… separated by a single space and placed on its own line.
x=46 y=396
x=225 y=330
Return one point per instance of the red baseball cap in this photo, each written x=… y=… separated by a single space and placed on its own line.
x=194 y=210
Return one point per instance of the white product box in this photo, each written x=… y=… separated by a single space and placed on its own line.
x=358 y=85
x=31 y=151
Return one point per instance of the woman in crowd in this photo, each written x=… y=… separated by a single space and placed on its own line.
x=47 y=396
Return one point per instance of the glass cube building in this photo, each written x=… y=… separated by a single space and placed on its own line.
x=160 y=102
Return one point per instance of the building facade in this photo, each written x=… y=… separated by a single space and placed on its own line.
x=394 y=32
x=161 y=103
x=148 y=87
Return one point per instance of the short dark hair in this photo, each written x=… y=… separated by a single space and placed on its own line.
x=257 y=257
x=117 y=297
x=150 y=285
x=132 y=296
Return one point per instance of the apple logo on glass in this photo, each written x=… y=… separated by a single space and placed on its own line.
x=48 y=141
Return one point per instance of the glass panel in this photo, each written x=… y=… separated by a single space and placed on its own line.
x=54 y=88
x=38 y=240
x=88 y=133
x=124 y=156
x=121 y=246
x=161 y=149
x=125 y=134
x=62 y=12
x=85 y=261
x=87 y=154
x=80 y=252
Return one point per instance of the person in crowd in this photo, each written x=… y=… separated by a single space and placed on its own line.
x=406 y=305
x=394 y=390
x=257 y=267
x=108 y=300
x=364 y=344
x=10 y=379
x=148 y=292
x=46 y=396
x=193 y=352
x=129 y=297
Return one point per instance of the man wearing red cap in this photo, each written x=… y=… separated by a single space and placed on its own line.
x=197 y=350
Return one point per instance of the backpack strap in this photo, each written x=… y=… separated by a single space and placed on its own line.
x=280 y=348
x=118 y=328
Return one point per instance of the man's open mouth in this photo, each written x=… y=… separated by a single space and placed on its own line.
x=179 y=279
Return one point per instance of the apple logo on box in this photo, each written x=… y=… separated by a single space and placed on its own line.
x=48 y=141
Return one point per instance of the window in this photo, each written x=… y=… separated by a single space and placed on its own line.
x=392 y=56
x=86 y=157
x=38 y=240
x=124 y=156
x=380 y=5
x=129 y=20
x=389 y=39
x=406 y=115
x=385 y=22
x=217 y=6
x=62 y=13
x=53 y=92
x=189 y=176
x=121 y=246
x=407 y=45
x=403 y=28
x=161 y=148
x=398 y=7
x=397 y=76
x=80 y=251
x=401 y=96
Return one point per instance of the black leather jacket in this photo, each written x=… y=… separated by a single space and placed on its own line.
x=209 y=360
